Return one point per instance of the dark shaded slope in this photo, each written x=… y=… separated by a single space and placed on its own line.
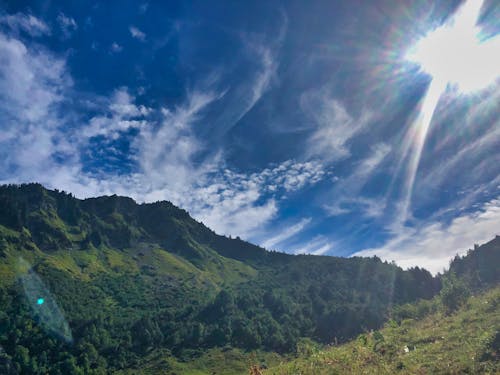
x=481 y=266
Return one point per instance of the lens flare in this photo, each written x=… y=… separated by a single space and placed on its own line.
x=45 y=309
x=453 y=55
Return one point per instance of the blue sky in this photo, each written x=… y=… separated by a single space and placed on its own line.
x=292 y=124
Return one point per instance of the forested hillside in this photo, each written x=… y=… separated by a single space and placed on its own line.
x=465 y=341
x=456 y=332
x=97 y=285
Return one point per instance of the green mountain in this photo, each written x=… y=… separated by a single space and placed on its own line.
x=106 y=285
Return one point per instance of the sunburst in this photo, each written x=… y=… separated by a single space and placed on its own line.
x=453 y=55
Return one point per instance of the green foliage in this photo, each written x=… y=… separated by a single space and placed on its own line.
x=416 y=311
x=454 y=292
x=464 y=342
x=479 y=268
x=135 y=281
x=307 y=347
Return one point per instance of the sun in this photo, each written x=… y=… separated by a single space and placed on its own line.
x=455 y=54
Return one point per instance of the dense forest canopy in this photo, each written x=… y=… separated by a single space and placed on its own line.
x=88 y=286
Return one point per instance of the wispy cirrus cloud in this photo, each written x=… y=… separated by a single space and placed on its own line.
x=319 y=245
x=334 y=126
x=472 y=216
x=286 y=234
x=345 y=195
x=67 y=24
x=27 y=23
x=241 y=98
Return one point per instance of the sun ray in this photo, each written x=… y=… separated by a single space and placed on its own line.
x=453 y=55
x=417 y=136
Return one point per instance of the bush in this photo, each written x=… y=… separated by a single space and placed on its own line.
x=454 y=293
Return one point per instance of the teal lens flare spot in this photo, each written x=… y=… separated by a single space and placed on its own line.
x=40 y=301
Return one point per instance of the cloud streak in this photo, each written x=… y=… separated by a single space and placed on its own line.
x=434 y=244
x=319 y=245
x=242 y=98
x=286 y=234
x=345 y=195
x=68 y=25
x=335 y=127
x=27 y=23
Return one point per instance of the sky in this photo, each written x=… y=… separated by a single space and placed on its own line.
x=325 y=127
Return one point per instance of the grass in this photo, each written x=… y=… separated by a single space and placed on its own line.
x=460 y=343
x=219 y=361
x=438 y=344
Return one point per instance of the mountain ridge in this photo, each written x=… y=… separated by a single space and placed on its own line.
x=135 y=279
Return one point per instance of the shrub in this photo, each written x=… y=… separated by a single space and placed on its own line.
x=454 y=293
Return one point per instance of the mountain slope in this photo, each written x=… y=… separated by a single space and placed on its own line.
x=132 y=279
x=465 y=342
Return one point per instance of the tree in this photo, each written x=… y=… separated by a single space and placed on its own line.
x=454 y=293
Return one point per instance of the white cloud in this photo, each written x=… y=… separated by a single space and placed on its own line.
x=245 y=202
x=122 y=104
x=115 y=47
x=32 y=83
x=266 y=55
x=369 y=207
x=32 y=80
x=123 y=114
x=286 y=234
x=227 y=201
x=25 y=22
x=341 y=207
x=433 y=245
x=137 y=34
x=291 y=175
x=68 y=25
x=335 y=127
x=166 y=151
x=239 y=215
